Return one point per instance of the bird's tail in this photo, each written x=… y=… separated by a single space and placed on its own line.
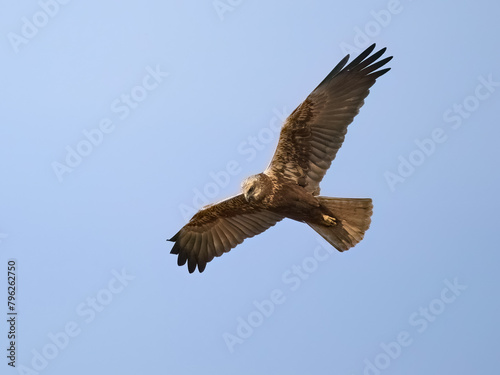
x=352 y=221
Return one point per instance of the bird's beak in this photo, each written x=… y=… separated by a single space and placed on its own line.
x=246 y=197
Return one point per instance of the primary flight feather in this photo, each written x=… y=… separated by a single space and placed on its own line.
x=289 y=187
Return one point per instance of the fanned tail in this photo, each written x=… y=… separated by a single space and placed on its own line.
x=353 y=220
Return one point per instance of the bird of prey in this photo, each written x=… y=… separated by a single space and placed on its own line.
x=289 y=188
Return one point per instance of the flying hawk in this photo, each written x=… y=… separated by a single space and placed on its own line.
x=289 y=187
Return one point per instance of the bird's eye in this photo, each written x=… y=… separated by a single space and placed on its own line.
x=251 y=189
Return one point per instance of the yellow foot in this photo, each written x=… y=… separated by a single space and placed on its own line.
x=329 y=220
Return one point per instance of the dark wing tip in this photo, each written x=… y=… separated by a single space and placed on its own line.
x=201 y=266
x=365 y=62
x=175 y=237
x=182 y=257
x=363 y=55
x=379 y=73
x=176 y=249
x=338 y=68
x=191 y=265
x=193 y=262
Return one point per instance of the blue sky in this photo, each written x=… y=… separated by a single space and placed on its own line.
x=118 y=122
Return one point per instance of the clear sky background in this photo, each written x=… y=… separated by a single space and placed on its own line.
x=121 y=119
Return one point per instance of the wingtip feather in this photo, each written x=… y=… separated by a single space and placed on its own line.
x=175 y=249
x=174 y=237
x=191 y=264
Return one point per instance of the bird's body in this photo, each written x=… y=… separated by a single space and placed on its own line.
x=289 y=187
x=288 y=199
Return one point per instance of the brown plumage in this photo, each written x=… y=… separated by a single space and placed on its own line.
x=289 y=187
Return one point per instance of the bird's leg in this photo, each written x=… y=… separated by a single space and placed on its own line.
x=329 y=220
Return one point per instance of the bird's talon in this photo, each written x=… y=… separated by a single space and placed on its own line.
x=330 y=220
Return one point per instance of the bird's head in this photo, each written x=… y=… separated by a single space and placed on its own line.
x=253 y=188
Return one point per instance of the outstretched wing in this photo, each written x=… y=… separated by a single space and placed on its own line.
x=314 y=132
x=218 y=228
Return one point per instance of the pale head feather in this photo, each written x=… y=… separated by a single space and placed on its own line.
x=251 y=187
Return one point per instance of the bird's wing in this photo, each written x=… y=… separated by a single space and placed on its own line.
x=315 y=130
x=218 y=228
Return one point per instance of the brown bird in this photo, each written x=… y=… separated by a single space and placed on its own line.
x=289 y=187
